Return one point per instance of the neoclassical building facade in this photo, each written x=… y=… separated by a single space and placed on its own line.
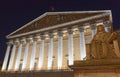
x=54 y=40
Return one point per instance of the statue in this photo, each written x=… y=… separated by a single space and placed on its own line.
x=102 y=46
x=115 y=40
x=103 y=53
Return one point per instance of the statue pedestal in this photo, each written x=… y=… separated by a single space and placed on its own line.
x=97 y=68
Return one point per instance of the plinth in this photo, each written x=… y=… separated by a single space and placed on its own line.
x=97 y=68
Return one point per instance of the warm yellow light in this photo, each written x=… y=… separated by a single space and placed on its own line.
x=55 y=33
x=99 y=23
x=87 y=27
x=55 y=36
x=47 y=38
x=85 y=31
x=64 y=35
x=75 y=29
x=64 y=31
x=46 y=35
x=74 y=33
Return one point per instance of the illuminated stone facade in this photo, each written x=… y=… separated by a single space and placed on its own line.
x=104 y=56
x=54 y=40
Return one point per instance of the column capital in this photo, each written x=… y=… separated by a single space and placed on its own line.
x=42 y=37
x=19 y=40
x=60 y=33
x=81 y=29
x=16 y=41
x=36 y=37
x=70 y=31
x=106 y=23
x=9 y=43
x=51 y=35
x=93 y=26
x=22 y=40
x=86 y=24
x=99 y=21
x=28 y=39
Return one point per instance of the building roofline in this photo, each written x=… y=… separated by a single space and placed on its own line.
x=54 y=13
x=60 y=25
x=71 y=12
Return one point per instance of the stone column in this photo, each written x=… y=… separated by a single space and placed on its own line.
x=4 y=66
x=107 y=26
x=82 y=44
x=50 y=51
x=12 y=56
x=17 y=63
x=60 y=49
x=93 y=28
x=26 y=53
x=32 y=60
x=41 y=53
x=70 y=47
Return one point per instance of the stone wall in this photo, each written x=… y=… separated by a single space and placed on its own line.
x=38 y=74
x=97 y=73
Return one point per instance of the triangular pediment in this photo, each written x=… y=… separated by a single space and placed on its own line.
x=50 y=19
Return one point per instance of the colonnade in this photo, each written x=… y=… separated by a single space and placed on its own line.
x=12 y=47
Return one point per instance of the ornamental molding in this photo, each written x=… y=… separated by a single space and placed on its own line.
x=107 y=13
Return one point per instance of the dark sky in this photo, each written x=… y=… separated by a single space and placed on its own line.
x=16 y=13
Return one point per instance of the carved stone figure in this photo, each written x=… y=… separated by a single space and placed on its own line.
x=115 y=40
x=102 y=46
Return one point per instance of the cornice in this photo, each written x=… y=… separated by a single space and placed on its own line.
x=57 y=26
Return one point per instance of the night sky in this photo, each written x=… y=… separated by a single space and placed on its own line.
x=16 y=13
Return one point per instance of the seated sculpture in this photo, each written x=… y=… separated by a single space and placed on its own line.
x=103 y=46
x=103 y=53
